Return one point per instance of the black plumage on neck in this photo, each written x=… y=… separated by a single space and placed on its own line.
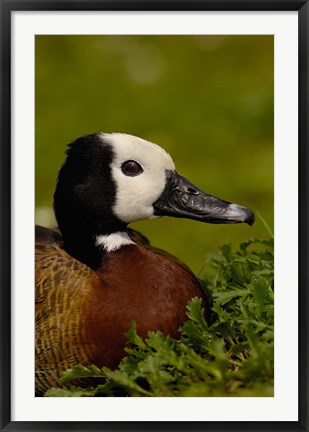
x=84 y=199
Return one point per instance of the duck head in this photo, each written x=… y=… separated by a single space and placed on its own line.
x=110 y=180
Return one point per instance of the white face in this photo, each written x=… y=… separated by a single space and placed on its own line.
x=135 y=195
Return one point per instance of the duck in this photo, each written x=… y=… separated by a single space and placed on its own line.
x=94 y=275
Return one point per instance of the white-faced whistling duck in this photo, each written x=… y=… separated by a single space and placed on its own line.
x=94 y=275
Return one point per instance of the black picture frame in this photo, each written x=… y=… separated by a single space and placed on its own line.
x=6 y=7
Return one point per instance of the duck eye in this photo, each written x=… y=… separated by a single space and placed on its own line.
x=131 y=168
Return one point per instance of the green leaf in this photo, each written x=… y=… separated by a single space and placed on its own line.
x=133 y=337
x=224 y=297
x=226 y=251
x=70 y=392
x=79 y=372
x=196 y=313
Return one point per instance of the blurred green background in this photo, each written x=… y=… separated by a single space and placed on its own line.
x=208 y=100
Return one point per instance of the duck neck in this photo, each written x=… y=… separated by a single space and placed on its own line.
x=90 y=244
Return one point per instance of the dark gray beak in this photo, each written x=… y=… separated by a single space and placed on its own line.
x=182 y=199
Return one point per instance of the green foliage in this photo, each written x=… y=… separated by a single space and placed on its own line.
x=230 y=355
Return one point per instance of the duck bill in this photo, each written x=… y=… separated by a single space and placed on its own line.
x=182 y=199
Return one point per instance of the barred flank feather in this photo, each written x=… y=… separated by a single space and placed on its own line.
x=62 y=284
